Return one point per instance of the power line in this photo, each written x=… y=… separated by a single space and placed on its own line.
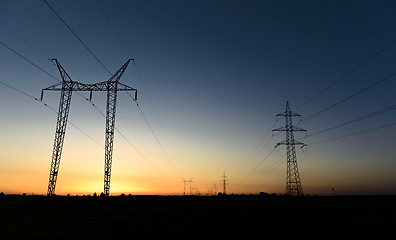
x=136 y=150
x=353 y=95
x=349 y=73
x=356 y=133
x=40 y=53
x=23 y=40
x=353 y=49
x=9 y=48
x=152 y=104
x=127 y=140
x=71 y=30
x=144 y=87
x=384 y=110
x=256 y=167
x=274 y=165
x=114 y=29
x=46 y=105
x=31 y=96
x=20 y=91
x=156 y=138
x=256 y=153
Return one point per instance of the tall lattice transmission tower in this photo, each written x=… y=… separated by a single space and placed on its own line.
x=66 y=87
x=224 y=182
x=293 y=182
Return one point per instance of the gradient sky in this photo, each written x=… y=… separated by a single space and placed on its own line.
x=211 y=77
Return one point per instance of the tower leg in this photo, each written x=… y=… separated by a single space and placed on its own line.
x=110 y=124
x=112 y=88
x=63 y=113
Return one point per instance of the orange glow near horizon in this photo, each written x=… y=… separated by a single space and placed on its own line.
x=82 y=174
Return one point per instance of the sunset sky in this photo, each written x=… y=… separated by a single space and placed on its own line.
x=211 y=77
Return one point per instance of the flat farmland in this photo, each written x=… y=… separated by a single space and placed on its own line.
x=197 y=217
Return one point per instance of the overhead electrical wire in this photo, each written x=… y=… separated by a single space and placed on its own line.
x=9 y=48
x=35 y=98
x=144 y=86
x=113 y=27
x=265 y=172
x=351 y=96
x=20 y=91
x=384 y=110
x=39 y=52
x=71 y=30
x=125 y=138
x=251 y=173
x=356 y=133
x=263 y=144
x=353 y=70
x=23 y=40
x=141 y=79
x=156 y=138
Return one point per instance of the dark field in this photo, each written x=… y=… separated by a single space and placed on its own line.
x=198 y=217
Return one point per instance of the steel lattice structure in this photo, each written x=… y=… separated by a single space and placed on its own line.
x=293 y=182
x=67 y=86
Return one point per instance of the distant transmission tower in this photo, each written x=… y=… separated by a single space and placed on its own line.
x=67 y=86
x=224 y=181
x=293 y=183
x=185 y=181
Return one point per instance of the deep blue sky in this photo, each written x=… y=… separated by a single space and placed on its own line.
x=211 y=77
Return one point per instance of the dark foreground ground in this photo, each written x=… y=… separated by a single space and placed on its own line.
x=198 y=217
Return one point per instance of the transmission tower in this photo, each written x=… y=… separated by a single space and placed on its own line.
x=224 y=183
x=293 y=183
x=67 y=86
x=187 y=181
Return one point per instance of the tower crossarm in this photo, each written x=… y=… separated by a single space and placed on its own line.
x=288 y=113
x=82 y=87
x=294 y=128
x=78 y=86
x=116 y=76
x=295 y=142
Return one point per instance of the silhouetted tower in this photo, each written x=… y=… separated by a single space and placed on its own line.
x=112 y=86
x=67 y=86
x=224 y=181
x=293 y=183
x=185 y=181
x=184 y=187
